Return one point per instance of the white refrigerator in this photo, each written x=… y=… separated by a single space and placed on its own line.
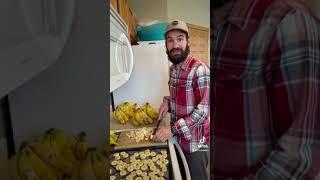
x=149 y=78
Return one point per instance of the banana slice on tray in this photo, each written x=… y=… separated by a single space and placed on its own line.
x=140 y=134
x=146 y=164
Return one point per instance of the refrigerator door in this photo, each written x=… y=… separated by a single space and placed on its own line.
x=121 y=57
x=149 y=78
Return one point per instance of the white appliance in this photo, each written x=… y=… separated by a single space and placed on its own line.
x=149 y=83
x=121 y=58
x=33 y=34
x=149 y=78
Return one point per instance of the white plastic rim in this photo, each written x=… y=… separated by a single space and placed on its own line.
x=123 y=39
x=183 y=158
x=58 y=38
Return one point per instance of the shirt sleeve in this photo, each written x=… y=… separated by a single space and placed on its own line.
x=167 y=99
x=201 y=88
x=294 y=96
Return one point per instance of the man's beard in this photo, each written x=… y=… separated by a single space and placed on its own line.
x=219 y=3
x=176 y=59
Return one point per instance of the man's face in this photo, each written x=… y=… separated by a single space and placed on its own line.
x=177 y=46
x=219 y=3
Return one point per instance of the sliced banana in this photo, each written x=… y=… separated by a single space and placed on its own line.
x=140 y=134
x=123 y=173
x=164 y=169
x=144 y=167
x=113 y=163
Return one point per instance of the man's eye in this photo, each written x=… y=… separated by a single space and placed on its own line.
x=180 y=39
x=170 y=40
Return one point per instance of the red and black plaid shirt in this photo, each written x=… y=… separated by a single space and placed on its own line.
x=266 y=64
x=189 y=103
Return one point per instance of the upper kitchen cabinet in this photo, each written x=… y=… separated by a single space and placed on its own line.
x=122 y=7
x=114 y=4
x=199 y=42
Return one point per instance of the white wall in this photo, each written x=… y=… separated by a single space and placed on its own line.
x=149 y=9
x=191 y=11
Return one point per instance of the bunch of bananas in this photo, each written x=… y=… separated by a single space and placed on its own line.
x=55 y=156
x=94 y=166
x=113 y=138
x=145 y=114
x=141 y=117
x=123 y=113
x=49 y=156
x=151 y=111
x=81 y=146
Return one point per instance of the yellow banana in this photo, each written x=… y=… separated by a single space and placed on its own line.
x=25 y=168
x=85 y=168
x=75 y=175
x=99 y=165
x=120 y=116
x=138 y=117
x=151 y=112
x=127 y=108
x=13 y=168
x=59 y=137
x=44 y=151
x=113 y=138
x=81 y=146
x=57 y=161
x=68 y=155
x=144 y=107
x=149 y=119
x=135 y=107
x=42 y=170
x=135 y=122
x=143 y=117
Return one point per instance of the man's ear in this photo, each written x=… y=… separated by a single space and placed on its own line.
x=188 y=41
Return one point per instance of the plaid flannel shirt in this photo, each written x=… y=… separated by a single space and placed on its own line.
x=267 y=92
x=189 y=99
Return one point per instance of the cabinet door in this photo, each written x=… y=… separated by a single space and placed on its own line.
x=127 y=15
x=199 y=42
x=123 y=10
x=114 y=4
x=132 y=27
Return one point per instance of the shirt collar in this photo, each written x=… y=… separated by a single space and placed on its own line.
x=241 y=12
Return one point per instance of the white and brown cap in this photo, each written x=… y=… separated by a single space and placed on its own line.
x=177 y=25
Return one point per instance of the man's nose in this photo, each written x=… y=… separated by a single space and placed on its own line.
x=175 y=44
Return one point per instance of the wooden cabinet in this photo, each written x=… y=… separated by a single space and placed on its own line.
x=199 y=42
x=114 y=4
x=127 y=15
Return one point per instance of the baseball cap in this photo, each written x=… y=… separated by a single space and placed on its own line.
x=177 y=24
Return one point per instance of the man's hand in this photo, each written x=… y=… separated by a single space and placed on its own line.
x=164 y=108
x=163 y=134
